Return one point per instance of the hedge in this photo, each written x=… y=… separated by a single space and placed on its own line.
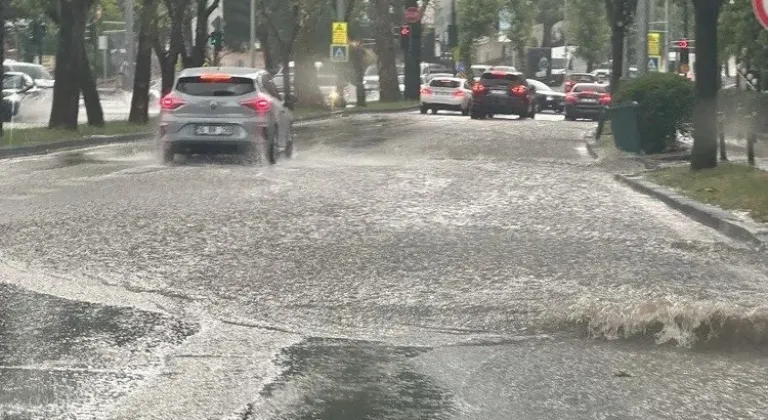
x=665 y=107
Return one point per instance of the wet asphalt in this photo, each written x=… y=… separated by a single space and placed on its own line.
x=399 y=267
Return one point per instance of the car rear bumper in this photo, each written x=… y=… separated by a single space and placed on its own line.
x=553 y=104
x=448 y=102
x=502 y=105
x=583 y=111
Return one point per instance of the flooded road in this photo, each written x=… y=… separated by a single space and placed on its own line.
x=400 y=266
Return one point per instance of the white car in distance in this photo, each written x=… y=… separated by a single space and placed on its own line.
x=446 y=93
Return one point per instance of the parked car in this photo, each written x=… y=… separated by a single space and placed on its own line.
x=547 y=98
x=446 y=93
x=225 y=110
x=18 y=89
x=572 y=79
x=586 y=100
x=43 y=79
x=501 y=92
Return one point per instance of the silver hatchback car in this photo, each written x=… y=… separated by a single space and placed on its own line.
x=225 y=110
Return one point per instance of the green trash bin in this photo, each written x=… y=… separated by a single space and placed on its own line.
x=624 y=126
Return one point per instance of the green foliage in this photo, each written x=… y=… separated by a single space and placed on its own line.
x=739 y=29
x=549 y=12
x=589 y=30
x=665 y=106
x=521 y=15
x=476 y=18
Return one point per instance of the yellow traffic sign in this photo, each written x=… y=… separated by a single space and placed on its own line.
x=654 y=44
x=339 y=33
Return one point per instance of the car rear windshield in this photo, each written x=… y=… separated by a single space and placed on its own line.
x=444 y=83
x=499 y=79
x=590 y=88
x=219 y=86
x=581 y=78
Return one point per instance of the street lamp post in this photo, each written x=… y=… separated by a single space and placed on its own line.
x=252 y=48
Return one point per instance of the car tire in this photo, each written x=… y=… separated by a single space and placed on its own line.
x=434 y=110
x=570 y=118
x=272 y=148
x=465 y=111
x=423 y=109
x=489 y=115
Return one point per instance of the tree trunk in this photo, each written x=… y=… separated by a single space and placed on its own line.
x=389 y=86
x=617 y=51
x=197 y=58
x=287 y=81
x=704 y=153
x=307 y=86
x=140 y=100
x=170 y=57
x=546 y=34
x=66 y=94
x=266 y=49
x=358 y=71
x=90 y=93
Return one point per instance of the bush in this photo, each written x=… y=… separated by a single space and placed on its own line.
x=665 y=107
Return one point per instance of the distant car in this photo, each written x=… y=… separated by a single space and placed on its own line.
x=586 y=100
x=446 y=93
x=18 y=89
x=434 y=75
x=501 y=92
x=225 y=109
x=479 y=69
x=503 y=68
x=574 y=78
x=43 y=79
x=547 y=98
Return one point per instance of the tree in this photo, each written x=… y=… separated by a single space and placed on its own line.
x=314 y=18
x=389 y=86
x=476 y=19
x=3 y=13
x=168 y=52
x=282 y=22
x=742 y=36
x=588 y=30
x=521 y=15
x=620 y=15
x=140 y=101
x=704 y=153
x=203 y=12
x=549 y=13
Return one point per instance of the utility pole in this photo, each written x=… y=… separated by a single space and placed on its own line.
x=643 y=14
x=565 y=38
x=252 y=48
x=129 y=35
x=453 y=34
x=686 y=18
x=667 y=38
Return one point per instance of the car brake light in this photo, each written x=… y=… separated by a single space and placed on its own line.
x=519 y=90
x=605 y=99
x=259 y=105
x=571 y=99
x=426 y=91
x=170 y=102
x=215 y=77
x=478 y=88
x=458 y=92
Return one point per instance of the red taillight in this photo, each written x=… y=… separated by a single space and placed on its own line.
x=478 y=89
x=170 y=102
x=426 y=91
x=605 y=99
x=519 y=90
x=571 y=99
x=259 y=105
x=569 y=86
x=458 y=92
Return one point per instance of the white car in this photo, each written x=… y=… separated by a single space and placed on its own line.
x=446 y=93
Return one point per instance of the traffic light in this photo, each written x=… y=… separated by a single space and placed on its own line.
x=217 y=39
x=405 y=36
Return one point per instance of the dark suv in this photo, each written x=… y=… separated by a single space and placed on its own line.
x=502 y=92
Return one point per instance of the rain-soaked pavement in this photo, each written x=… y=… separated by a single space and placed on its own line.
x=399 y=267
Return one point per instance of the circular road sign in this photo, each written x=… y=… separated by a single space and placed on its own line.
x=760 y=8
x=412 y=15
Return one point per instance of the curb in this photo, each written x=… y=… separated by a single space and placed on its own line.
x=592 y=149
x=90 y=141
x=7 y=152
x=711 y=216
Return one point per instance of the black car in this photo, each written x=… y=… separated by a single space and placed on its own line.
x=504 y=93
x=586 y=100
x=17 y=88
x=547 y=98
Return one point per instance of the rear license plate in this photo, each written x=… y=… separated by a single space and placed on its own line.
x=589 y=101
x=213 y=130
x=499 y=92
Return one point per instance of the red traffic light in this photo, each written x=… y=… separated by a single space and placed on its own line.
x=405 y=30
x=683 y=43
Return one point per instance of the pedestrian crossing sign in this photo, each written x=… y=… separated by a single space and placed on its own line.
x=653 y=63
x=339 y=53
